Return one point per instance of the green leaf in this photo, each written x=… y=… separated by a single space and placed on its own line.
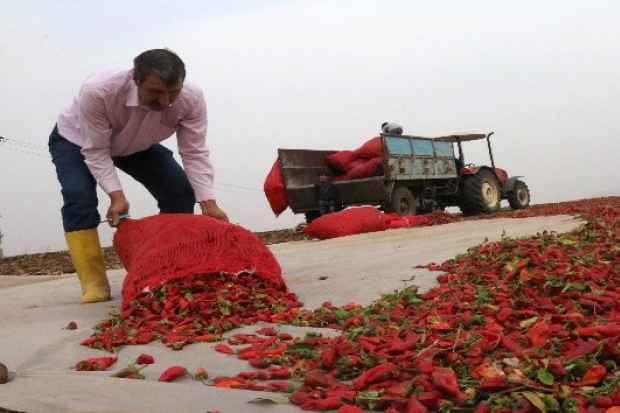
x=535 y=399
x=545 y=377
x=528 y=322
x=552 y=404
x=369 y=396
x=574 y=286
x=476 y=319
x=566 y=242
x=270 y=400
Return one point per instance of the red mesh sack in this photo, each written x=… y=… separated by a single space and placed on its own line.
x=166 y=247
x=347 y=222
x=370 y=149
x=356 y=162
x=275 y=189
x=367 y=169
x=340 y=161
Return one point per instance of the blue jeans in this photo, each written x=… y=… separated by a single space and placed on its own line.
x=326 y=207
x=155 y=168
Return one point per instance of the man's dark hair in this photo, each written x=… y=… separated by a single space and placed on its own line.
x=162 y=63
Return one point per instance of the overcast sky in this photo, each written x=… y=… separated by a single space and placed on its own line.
x=321 y=74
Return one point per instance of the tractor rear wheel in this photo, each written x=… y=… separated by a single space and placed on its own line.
x=403 y=202
x=519 y=197
x=481 y=193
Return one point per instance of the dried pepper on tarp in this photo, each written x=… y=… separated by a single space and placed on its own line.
x=527 y=324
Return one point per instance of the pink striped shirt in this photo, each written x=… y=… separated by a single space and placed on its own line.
x=106 y=120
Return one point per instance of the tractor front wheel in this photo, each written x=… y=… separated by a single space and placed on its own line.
x=519 y=196
x=481 y=193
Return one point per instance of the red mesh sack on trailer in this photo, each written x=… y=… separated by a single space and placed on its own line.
x=370 y=149
x=367 y=169
x=275 y=191
x=340 y=161
x=347 y=222
x=166 y=247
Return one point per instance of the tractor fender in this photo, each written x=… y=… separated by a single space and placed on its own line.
x=510 y=183
x=469 y=169
x=505 y=184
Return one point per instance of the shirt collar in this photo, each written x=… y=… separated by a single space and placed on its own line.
x=132 y=94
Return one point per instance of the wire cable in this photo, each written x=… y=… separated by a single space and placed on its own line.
x=40 y=150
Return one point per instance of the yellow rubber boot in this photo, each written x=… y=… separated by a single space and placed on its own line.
x=87 y=258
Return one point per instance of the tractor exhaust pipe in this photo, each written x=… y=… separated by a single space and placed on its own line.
x=490 y=151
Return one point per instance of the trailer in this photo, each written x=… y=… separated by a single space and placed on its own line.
x=419 y=175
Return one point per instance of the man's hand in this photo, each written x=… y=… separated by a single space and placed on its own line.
x=118 y=206
x=210 y=208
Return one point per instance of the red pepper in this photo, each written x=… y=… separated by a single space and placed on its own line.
x=556 y=367
x=349 y=409
x=538 y=333
x=172 y=373
x=582 y=350
x=603 y=401
x=482 y=408
x=346 y=396
x=299 y=397
x=523 y=405
x=285 y=337
x=414 y=406
x=603 y=330
x=259 y=362
x=230 y=382
x=378 y=373
x=145 y=359
x=329 y=356
x=201 y=374
x=399 y=389
x=319 y=405
x=511 y=345
x=429 y=398
x=315 y=378
x=593 y=376
x=223 y=348
x=267 y=331
x=95 y=364
x=207 y=338
x=444 y=379
x=492 y=384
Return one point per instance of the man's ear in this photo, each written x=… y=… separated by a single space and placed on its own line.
x=135 y=79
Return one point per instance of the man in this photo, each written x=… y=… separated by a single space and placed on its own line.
x=117 y=120
x=325 y=193
x=391 y=128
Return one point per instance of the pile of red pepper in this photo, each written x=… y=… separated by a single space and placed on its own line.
x=524 y=325
x=193 y=310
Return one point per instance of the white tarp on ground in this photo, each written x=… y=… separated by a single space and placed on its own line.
x=41 y=354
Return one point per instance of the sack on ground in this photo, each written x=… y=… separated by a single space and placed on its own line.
x=347 y=222
x=165 y=247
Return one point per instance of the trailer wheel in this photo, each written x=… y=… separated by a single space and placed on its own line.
x=519 y=197
x=481 y=193
x=403 y=202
